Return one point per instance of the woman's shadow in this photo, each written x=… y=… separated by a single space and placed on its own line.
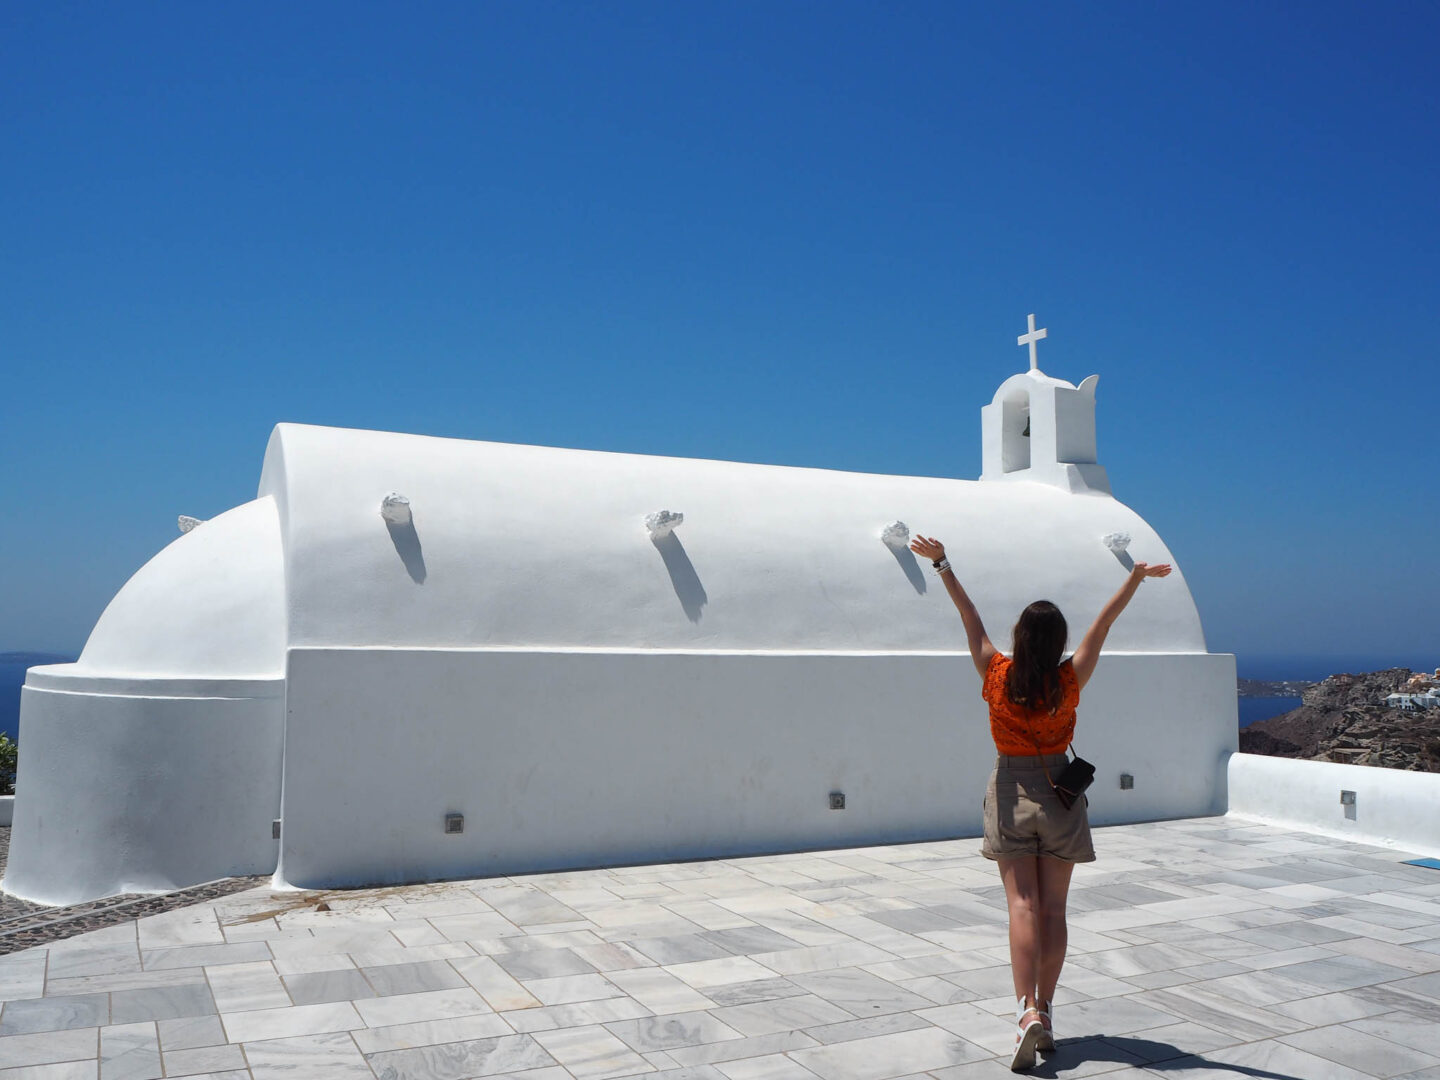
x=1149 y=1054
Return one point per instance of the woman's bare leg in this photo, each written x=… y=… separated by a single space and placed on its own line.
x=1022 y=896
x=1053 y=879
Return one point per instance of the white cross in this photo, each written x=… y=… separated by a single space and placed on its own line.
x=1030 y=339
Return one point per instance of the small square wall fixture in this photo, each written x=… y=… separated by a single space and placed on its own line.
x=837 y=800
x=1126 y=781
x=454 y=823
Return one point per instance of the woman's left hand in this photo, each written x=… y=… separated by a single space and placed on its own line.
x=1145 y=570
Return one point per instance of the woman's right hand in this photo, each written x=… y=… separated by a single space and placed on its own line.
x=1144 y=570
x=928 y=547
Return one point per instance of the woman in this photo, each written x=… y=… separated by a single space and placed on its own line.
x=1032 y=837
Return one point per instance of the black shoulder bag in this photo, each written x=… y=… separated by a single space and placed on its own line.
x=1070 y=785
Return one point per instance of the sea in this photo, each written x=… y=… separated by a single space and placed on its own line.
x=1271 y=668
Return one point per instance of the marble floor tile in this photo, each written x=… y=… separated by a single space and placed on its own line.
x=852 y=1030
x=1343 y=972
x=611 y=956
x=501 y=992
x=413 y=978
x=313 y=988
x=430 y=1032
x=429 y=1005
x=1328 y=1009
x=740 y=1049
x=859 y=992
x=54 y=1013
x=1404 y=1030
x=94 y=960
x=195 y=925
x=888 y=1055
x=678 y=1029
x=1262 y=988
x=46 y=1047
x=189 y=956
x=243 y=987
x=298 y=1020
x=187 y=1032
x=391 y=953
x=571 y=988
x=505 y=1055
x=769 y=1067
x=782 y=1014
x=825 y=957
x=592 y=1053
x=65 y=1070
x=529 y=907
x=161 y=1003
x=130 y=1052
x=748 y=993
x=684 y=949
x=1123 y=962
x=576 y=1014
x=1265 y=1059
x=22 y=975
x=722 y=972
x=313 y=1057
x=1428 y=985
x=1193 y=943
x=542 y=963
x=748 y=940
x=995 y=1034
x=1416 y=961
x=1166 y=1043
x=1361 y=1050
x=659 y=991
x=203 y=1059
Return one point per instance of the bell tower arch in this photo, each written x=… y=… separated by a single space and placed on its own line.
x=1042 y=429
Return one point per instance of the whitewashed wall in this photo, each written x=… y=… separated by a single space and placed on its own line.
x=588 y=758
x=143 y=792
x=1392 y=808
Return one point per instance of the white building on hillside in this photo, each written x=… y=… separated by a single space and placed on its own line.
x=581 y=659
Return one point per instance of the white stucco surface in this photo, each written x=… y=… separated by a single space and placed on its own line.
x=592 y=758
x=596 y=658
x=211 y=604
x=1392 y=807
x=537 y=547
x=122 y=793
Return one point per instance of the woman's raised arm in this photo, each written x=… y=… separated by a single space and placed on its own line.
x=1088 y=654
x=981 y=650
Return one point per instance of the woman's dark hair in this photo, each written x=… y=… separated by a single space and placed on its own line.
x=1040 y=637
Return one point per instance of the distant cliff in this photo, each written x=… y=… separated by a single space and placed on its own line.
x=1344 y=718
x=1260 y=688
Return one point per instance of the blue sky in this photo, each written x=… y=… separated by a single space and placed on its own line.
x=800 y=233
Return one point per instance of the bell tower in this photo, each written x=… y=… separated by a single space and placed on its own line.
x=1042 y=429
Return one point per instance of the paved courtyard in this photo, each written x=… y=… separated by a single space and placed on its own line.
x=1198 y=949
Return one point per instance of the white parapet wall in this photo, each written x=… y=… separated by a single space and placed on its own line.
x=1390 y=807
x=600 y=757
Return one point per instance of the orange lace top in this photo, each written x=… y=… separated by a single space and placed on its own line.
x=1012 y=726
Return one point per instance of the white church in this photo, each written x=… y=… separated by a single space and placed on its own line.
x=412 y=658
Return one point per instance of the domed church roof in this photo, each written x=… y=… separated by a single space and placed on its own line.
x=210 y=605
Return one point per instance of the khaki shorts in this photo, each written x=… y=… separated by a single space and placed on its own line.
x=1023 y=816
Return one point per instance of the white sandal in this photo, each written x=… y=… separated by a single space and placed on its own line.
x=1046 y=1045
x=1027 y=1037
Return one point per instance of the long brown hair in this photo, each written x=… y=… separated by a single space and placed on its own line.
x=1040 y=636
